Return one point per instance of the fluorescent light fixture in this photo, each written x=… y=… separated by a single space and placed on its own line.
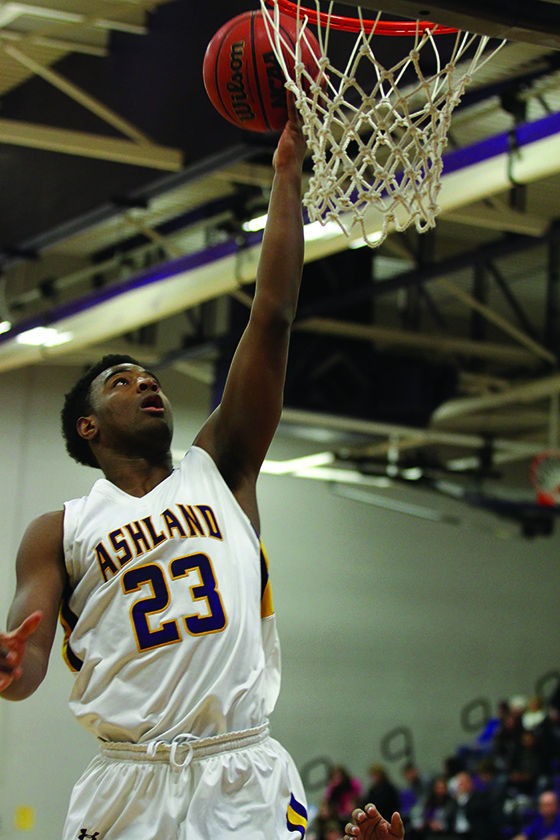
x=470 y=462
x=258 y=223
x=373 y=238
x=342 y=476
x=297 y=465
x=43 y=337
x=412 y=473
x=5 y=326
x=313 y=467
x=315 y=230
x=317 y=467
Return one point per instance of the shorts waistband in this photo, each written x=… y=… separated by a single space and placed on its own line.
x=185 y=748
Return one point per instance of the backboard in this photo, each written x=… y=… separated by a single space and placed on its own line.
x=536 y=22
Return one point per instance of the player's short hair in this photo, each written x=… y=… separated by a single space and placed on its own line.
x=77 y=404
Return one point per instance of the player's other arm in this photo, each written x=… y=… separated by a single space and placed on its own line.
x=368 y=824
x=239 y=432
x=40 y=580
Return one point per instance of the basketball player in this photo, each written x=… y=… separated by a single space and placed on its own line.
x=368 y=824
x=163 y=586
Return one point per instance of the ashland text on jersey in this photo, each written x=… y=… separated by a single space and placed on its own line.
x=134 y=538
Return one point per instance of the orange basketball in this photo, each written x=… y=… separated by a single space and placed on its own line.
x=242 y=76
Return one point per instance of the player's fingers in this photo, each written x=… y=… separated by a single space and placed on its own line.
x=290 y=103
x=379 y=824
x=293 y=113
x=373 y=813
x=27 y=627
x=358 y=815
x=397 y=827
x=6 y=679
x=7 y=655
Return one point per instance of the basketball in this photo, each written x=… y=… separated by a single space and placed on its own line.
x=242 y=76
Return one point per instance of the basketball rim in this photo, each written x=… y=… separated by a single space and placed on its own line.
x=391 y=28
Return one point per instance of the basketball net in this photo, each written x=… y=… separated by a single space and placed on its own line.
x=544 y=472
x=376 y=150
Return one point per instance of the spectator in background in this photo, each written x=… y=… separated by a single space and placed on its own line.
x=526 y=766
x=485 y=773
x=517 y=708
x=548 y=736
x=342 y=792
x=452 y=766
x=554 y=699
x=413 y=799
x=324 y=817
x=488 y=780
x=333 y=831
x=382 y=792
x=439 y=810
x=546 y=825
x=470 y=754
x=507 y=741
x=474 y=817
x=416 y=783
x=534 y=714
x=485 y=740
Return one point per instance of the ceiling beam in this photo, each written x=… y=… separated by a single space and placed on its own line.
x=504 y=219
x=89 y=145
x=529 y=392
x=77 y=94
x=104 y=213
x=490 y=315
x=11 y=11
x=514 y=449
x=527 y=420
x=54 y=43
x=423 y=341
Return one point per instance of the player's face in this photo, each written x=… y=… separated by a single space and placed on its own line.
x=128 y=401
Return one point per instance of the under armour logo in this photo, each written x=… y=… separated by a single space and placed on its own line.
x=83 y=835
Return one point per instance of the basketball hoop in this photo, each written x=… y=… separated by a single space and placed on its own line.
x=376 y=138
x=544 y=473
x=346 y=24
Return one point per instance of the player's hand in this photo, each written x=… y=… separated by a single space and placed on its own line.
x=291 y=146
x=12 y=649
x=368 y=824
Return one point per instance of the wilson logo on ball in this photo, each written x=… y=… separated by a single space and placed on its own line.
x=242 y=76
x=236 y=87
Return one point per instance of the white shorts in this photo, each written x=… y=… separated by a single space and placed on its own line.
x=241 y=785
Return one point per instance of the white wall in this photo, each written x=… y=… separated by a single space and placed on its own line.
x=385 y=620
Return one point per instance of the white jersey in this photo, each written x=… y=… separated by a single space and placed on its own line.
x=169 y=621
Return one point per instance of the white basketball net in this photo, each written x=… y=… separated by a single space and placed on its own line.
x=377 y=152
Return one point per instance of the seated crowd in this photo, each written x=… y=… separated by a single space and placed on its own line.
x=505 y=786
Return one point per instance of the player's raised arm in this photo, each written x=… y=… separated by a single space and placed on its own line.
x=239 y=432
x=32 y=619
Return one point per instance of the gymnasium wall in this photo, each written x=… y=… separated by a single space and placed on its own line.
x=386 y=621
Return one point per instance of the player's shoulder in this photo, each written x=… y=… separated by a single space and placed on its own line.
x=46 y=526
x=42 y=541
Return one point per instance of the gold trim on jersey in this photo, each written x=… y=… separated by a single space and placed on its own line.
x=267 y=607
x=68 y=621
